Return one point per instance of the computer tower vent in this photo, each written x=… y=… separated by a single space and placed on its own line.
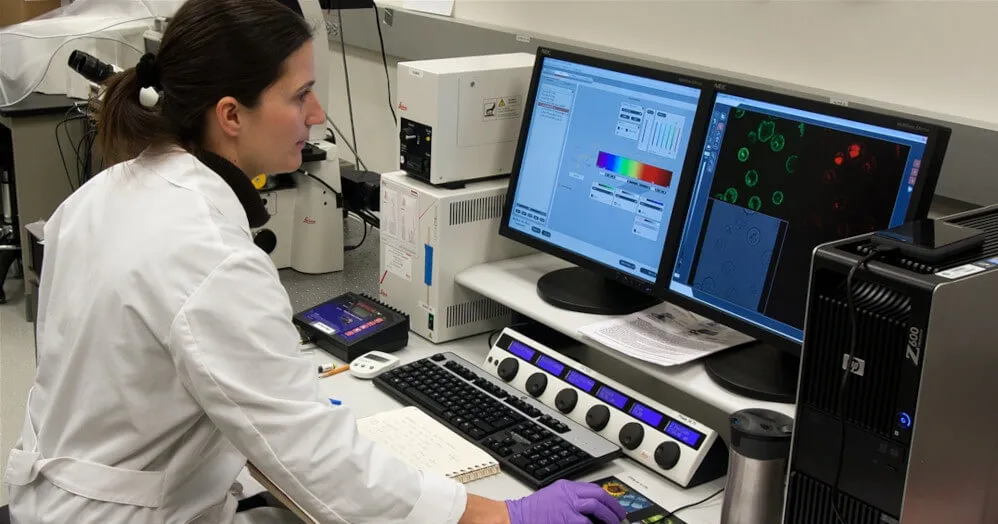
x=475 y=209
x=478 y=310
x=986 y=221
x=810 y=502
x=882 y=316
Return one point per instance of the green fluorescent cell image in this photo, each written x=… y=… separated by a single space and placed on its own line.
x=777 y=143
x=777 y=197
x=791 y=164
x=766 y=130
x=743 y=154
x=755 y=203
x=801 y=127
x=731 y=195
x=751 y=178
x=752 y=138
x=738 y=112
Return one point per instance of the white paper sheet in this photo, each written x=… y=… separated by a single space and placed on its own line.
x=665 y=335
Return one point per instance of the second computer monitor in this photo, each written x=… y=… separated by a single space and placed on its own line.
x=778 y=176
x=602 y=156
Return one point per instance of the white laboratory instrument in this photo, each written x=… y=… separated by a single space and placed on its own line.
x=306 y=217
x=430 y=234
x=459 y=118
x=372 y=364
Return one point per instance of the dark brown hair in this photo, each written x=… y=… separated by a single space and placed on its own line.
x=210 y=49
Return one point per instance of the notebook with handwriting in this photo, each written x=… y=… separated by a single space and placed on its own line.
x=417 y=438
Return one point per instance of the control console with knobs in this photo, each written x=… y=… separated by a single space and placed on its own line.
x=667 y=442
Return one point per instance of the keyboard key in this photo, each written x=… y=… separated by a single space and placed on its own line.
x=438 y=357
x=484 y=426
x=476 y=433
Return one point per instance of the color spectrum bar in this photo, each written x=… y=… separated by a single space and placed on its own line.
x=634 y=169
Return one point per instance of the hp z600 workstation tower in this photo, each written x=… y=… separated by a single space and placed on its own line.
x=917 y=407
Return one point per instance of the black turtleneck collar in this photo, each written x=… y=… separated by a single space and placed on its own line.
x=256 y=211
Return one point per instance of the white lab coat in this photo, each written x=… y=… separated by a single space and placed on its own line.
x=167 y=357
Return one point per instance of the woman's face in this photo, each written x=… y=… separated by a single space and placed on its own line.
x=277 y=128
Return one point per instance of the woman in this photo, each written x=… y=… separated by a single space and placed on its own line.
x=167 y=357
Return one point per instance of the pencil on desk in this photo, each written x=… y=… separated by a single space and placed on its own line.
x=336 y=371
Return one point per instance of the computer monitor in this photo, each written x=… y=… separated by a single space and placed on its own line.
x=778 y=176
x=601 y=158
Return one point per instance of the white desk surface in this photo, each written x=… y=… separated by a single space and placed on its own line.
x=513 y=283
x=364 y=399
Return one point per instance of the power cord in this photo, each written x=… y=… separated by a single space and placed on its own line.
x=365 y=225
x=384 y=61
x=853 y=336
x=346 y=75
x=688 y=506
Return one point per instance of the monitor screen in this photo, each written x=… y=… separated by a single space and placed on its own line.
x=774 y=181
x=602 y=154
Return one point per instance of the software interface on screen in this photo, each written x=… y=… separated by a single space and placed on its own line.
x=773 y=183
x=602 y=159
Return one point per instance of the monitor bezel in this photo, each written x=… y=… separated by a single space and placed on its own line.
x=697 y=133
x=921 y=199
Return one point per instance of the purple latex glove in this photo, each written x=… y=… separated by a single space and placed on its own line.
x=566 y=502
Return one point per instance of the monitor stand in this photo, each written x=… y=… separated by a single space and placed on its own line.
x=578 y=289
x=757 y=371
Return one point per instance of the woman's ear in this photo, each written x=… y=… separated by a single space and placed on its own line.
x=229 y=115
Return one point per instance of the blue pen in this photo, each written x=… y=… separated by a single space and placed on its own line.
x=335 y=402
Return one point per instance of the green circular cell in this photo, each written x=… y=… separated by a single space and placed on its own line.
x=767 y=128
x=743 y=154
x=777 y=197
x=791 y=164
x=752 y=138
x=777 y=143
x=755 y=203
x=739 y=112
x=731 y=195
x=751 y=178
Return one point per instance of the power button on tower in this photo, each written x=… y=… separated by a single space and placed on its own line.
x=904 y=420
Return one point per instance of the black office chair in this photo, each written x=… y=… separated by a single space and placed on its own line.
x=4 y=515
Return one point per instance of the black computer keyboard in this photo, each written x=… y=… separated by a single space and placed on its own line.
x=531 y=441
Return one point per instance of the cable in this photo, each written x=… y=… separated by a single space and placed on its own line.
x=384 y=61
x=321 y=181
x=360 y=162
x=688 y=506
x=346 y=75
x=363 y=224
x=849 y=357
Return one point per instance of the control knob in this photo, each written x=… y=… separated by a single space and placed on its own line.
x=566 y=399
x=537 y=383
x=667 y=455
x=598 y=417
x=508 y=368
x=631 y=435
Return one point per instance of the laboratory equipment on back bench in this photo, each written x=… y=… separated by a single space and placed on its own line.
x=305 y=230
x=459 y=117
x=429 y=235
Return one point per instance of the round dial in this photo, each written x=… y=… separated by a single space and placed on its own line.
x=508 y=368
x=667 y=455
x=537 y=383
x=598 y=417
x=631 y=435
x=566 y=400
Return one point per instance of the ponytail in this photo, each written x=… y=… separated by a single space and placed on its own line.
x=124 y=127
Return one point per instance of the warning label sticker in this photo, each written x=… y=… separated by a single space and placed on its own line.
x=501 y=108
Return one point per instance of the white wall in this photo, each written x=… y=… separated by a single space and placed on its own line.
x=937 y=56
x=377 y=138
